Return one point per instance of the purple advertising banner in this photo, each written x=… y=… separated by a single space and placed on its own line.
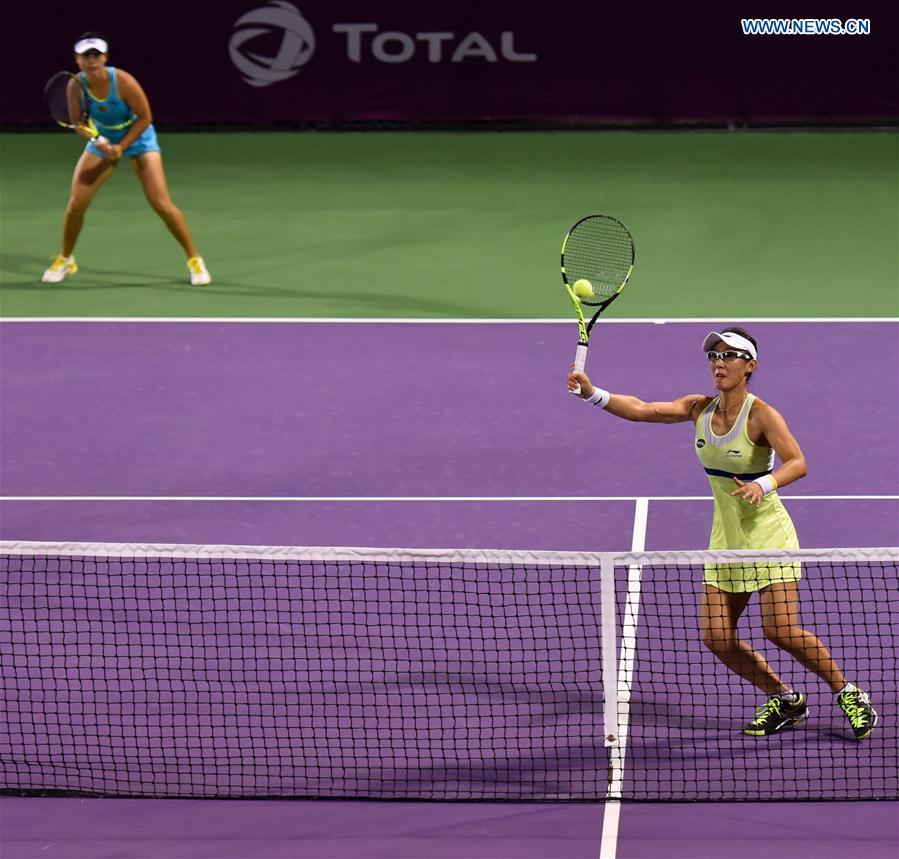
x=269 y=61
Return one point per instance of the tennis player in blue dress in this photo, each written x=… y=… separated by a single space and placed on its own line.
x=736 y=437
x=116 y=107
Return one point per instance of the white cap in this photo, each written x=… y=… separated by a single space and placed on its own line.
x=86 y=45
x=731 y=339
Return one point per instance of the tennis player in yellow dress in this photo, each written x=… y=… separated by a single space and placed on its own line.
x=736 y=438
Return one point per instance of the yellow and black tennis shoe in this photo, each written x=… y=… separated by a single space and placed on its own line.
x=857 y=707
x=776 y=714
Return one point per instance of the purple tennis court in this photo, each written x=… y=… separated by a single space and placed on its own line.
x=435 y=435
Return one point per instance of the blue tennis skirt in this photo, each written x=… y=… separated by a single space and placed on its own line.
x=147 y=142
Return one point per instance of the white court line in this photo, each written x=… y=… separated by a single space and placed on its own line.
x=338 y=320
x=617 y=752
x=422 y=498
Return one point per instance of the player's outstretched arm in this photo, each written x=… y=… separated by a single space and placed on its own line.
x=633 y=408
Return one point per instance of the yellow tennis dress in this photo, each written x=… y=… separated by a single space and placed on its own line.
x=738 y=524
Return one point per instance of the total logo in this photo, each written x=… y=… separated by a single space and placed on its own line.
x=297 y=43
x=361 y=42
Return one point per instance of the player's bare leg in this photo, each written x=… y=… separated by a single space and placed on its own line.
x=718 y=616
x=149 y=170
x=720 y=611
x=780 y=621
x=91 y=172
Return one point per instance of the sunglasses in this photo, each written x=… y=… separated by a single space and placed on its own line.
x=728 y=356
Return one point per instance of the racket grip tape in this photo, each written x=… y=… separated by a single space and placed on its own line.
x=580 y=358
x=580 y=361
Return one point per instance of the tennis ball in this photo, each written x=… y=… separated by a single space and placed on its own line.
x=583 y=288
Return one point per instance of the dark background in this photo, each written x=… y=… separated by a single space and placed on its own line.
x=597 y=62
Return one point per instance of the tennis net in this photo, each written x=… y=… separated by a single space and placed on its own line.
x=187 y=671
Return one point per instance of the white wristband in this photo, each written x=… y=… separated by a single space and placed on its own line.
x=767 y=482
x=599 y=398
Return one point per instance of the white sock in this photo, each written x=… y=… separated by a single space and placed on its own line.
x=849 y=687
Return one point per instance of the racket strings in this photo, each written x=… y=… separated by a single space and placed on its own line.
x=57 y=98
x=599 y=250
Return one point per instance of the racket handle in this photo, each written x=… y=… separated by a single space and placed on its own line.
x=580 y=361
x=580 y=358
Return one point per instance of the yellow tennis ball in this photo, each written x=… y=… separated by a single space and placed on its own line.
x=583 y=288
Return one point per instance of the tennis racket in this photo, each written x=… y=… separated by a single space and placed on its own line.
x=66 y=96
x=598 y=258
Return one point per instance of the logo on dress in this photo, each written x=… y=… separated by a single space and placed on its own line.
x=735 y=452
x=296 y=49
x=700 y=442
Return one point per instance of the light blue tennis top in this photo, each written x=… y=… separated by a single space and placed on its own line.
x=111 y=115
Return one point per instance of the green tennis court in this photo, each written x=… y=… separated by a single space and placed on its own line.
x=442 y=225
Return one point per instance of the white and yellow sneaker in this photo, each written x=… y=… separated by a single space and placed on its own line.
x=199 y=274
x=59 y=269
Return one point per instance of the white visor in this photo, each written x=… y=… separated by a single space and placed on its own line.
x=731 y=339
x=86 y=45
